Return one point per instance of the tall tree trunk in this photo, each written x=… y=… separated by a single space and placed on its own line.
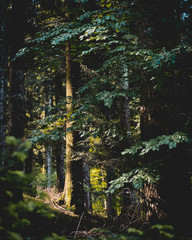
x=60 y=168
x=28 y=165
x=69 y=133
x=77 y=190
x=3 y=77
x=151 y=126
x=74 y=170
x=77 y=164
x=175 y=189
x=126 y=112
x=87 y=193
x=109 y=177
x=48 y=148
x=16 y=71
x=48 y=155
x=127 y=190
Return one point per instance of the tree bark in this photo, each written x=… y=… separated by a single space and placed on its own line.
x=16 y=71
x=28 y=167
x=109 y=177
x=175 y=189
x=73 y=190
x=126 y=110
x=77 y=190
x=48 y=155
x=77 y=164
x=69 y=133
x=48 y=148
x=87 y=192
x=3 y=78
x=60 y=167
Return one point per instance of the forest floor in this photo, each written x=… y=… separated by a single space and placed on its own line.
x=64 y=222
x=67 y=223
x=83 y=226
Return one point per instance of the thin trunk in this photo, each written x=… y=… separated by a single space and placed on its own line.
x=109 y=177
x=126 y=195
x=16 y=72
x=103 y=181
x=69 y=133
x=48 y=149
x=28 y=166
x=87 y=192
x=126 y=117
x=59 y=147
x=48 y=164
x=3 y=78
x=60 y=167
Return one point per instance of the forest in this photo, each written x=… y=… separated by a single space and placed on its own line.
x=95 y=119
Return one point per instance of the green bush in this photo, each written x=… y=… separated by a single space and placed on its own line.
x=19 y=219
x=40 y=179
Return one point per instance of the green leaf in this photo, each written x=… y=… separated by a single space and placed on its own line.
x=21 y=156
x=154 y=144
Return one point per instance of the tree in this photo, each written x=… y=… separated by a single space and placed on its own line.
x=16 y=70
x=78 y=160
x=3 y=78
x=73 y=189
x=48 y=148
x=67 y=194
x=87 y=191
x=59 y=148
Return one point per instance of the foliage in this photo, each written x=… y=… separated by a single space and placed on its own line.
x=55 y=237
x=121 y=45
x=149 y=173
x=16 y=151
x=157 y=232
x=136 y=177
x=98 y=186
x=40 y=179
x=154 y=144
x=18 y=216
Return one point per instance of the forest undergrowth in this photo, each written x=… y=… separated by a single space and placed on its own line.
x=67 y=225
x=66 y=221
